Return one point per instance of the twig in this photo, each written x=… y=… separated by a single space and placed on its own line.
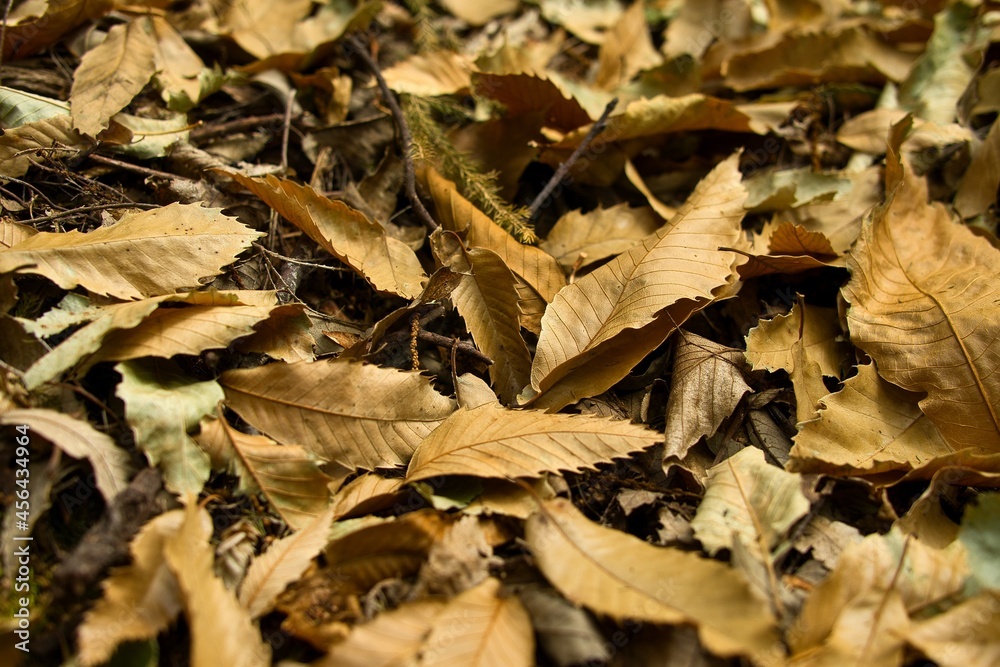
x=405 y=138
x=286 y=126
x=564 y=168
x=234 y=126
x=127 y=166
x=462 y=346
x=84 y=210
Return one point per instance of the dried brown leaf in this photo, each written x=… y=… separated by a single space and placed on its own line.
x=869 y=426
x=538 y=273
x=580 y=239
x=358 y=415
x=111 y=74
x=222 y=632
x=282 y=563
x=347 y=234
x=486 y=298
x=493 y=441
x=79 y=439
x=139 y=601
x=666 y=277
x=926 y=316
x=621 y=576
x=707 y=386
x=126 y=260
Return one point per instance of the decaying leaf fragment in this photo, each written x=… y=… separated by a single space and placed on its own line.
x=708 y=384
x=623 y=577
x=493 y=441
x=929 y=317
x=599 y=327
x=126 y=260
x=359 y=415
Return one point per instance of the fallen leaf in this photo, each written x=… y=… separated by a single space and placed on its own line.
x=355 y=414
x=79 y=439
x=579 y=239
x=963 y=636
x=282 y=563
x=978 y=190
x=903 y=298
x=41 y=30
x=618 y=575
x=486 y=298
x=147 y=386
x=748 y=500
x=479 y=628
x=389 y=265
x=869 y=426
x=538 y=273
x=858 y=615
x=111 y=74
x=493 y=441
x=139 y=601
x=679 y=262
x=221 y=630
x=430 y=74
x=393 y=638
x=707 y=386
x=289 y=476
x=126 y=260
x=22 y=146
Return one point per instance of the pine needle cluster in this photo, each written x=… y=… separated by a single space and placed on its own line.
x=431 y=144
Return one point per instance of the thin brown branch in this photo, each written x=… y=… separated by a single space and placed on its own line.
x=564 y=168
x=205 y=132
x=84 y=210
x=128 y=166
x=405 y=138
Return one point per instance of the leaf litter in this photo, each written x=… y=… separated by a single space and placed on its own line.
x=509 y=333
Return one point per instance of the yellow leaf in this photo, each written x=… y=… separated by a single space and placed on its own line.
x=626 y=50
x=111 y=74
x=493 y=441
x=679 y=267
x=393 y=639
x=967 y=635
x=858 y=615
x=347 y=234
x=478 y=628
x=486 y=299
x=748 y=500
x=623 y=577
x=126 y=260
x=869 y=426
x=430 y=74
x=358 y=415
x=282 y=563
x=139 y=601
x=289 y=476
x=20 y=146
x=221 y=630
x=79 y=439
x=538 y=273
x=928 y=317
x=580 y=239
